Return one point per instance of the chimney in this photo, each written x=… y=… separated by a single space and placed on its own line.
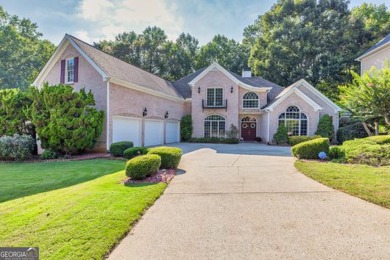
x=246 y=73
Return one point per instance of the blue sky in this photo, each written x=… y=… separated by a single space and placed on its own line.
x=93 y=20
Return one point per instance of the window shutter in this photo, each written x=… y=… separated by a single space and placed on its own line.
x=62 y=78
x=76 y=69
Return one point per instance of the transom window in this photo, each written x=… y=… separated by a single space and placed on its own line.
x=214 y=97
x=250 y=100
x=69 y=74
x=294 y=120
x=214 y=126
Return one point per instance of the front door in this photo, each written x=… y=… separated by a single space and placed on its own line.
x=248 y=129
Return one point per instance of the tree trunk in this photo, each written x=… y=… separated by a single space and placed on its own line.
x=376 y=127
x=387 y=120
x=367 y=129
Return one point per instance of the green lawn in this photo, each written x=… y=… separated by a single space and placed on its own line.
x=366 y=182
x=83 y=221
x=23 y=179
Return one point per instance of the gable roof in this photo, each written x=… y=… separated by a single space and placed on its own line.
x=293 y=88
x=183 y=85
x=379 y=45
x=113 y=69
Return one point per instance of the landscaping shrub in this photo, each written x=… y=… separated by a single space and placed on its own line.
x=281 y=135
x=232 y=133
x=311 y=149
x=214 y=140
x=16 y=147
x=65 y=120
x=49 y=154
x=134 y=152
x=351 y=132
x=366 y=151
x=379 y=139
x=117 y=149
x=170 y=156
x=186 y=128
x=143 y=166
x=294 y=140
x=325 y=127
x=335 y=152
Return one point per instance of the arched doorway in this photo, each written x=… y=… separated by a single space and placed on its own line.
x=248 y=128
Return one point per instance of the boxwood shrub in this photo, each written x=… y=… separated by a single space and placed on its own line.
x=379 y=139
x=350 y=132
x=134 y=151
x=336 y=152
x=142 y=166
x=170 y=156
x=117 y=149
x=294 y=140
x=311 y=149
x=366 y=151
x=214 y=140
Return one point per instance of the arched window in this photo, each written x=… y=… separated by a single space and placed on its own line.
x=294 y=120
x=250 y=100
x=214 y=126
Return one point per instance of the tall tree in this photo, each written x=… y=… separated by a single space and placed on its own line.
x=227 y=52
x=316 y=40
x=23 y=53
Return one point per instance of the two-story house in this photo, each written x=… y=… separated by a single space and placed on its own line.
x=146 y=109
x=376 y=56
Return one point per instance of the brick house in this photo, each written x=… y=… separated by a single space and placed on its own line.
x=146 y=109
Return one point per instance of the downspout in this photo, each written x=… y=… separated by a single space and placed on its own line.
x=108 y=114
x=269 y=141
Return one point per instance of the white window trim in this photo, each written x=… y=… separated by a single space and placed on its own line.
x=300 y=111
x=204 y=120
x=258 y=101
x=66 y=70
x=223 y=95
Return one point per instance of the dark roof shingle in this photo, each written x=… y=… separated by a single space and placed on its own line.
x=382 y=42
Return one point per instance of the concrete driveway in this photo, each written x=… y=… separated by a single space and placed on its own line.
x=242 y=206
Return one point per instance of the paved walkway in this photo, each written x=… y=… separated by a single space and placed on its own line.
x=243 y=206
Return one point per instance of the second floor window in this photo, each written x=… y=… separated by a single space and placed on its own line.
x=69 y=75
x=250 y=100
x=214 y=97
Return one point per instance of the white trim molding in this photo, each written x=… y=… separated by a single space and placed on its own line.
x=214 y=66
x=376 y=50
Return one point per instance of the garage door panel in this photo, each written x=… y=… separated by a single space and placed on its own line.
x=154 y=132
x=172 y=132
x=127 y=129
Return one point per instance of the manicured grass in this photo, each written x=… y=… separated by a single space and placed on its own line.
x=83 y=221
x=366 y=182
x=23 y=179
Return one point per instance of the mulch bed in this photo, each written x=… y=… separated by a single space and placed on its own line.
x=160 y=176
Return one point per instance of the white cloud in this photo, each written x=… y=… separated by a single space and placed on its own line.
x=109 y=18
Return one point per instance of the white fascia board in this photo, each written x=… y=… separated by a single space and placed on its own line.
x=145 y=90
x=320 y=95
x=379 y=49
x=313 y=104
x=38 y=82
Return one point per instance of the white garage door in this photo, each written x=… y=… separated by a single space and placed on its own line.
x=172 y=132
x=127 y=129
x=154 y=132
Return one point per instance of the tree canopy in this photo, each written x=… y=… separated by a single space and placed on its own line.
x=23 y=53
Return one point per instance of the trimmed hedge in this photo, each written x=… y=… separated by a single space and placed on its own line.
x=325 y=127
x=366 y=151
x=214 y=140
x=17 y=147
x=311 y=149
x=49 y=154
x=294 y=140
x=379 y=139
x=351 y=132
x=134 y=152
x=336 y=152
x=143 y=166
x=170 y=156
x=117 y=149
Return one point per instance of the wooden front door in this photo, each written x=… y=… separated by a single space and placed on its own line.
x=248 y=130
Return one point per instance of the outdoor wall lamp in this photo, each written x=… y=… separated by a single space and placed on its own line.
x=198 y=89
x=166 y=115
x=231 y=89
x=145 y=113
